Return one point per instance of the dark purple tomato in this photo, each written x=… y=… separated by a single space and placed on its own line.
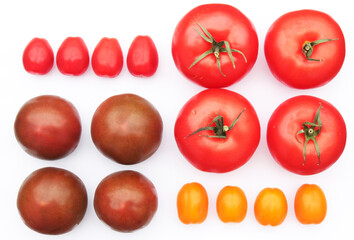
x=52 y=200
x=48 y=127
x=127 y=128
x=126 y=201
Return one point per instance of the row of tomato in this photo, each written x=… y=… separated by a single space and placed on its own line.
x=270 y=206
x=216 y=130
x=73 y=57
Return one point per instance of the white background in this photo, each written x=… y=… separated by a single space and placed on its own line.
x=168 y=90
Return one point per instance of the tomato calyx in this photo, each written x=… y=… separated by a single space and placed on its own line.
x=307 y=48
x=216 y=49
x=311 y=131
x=219 y=129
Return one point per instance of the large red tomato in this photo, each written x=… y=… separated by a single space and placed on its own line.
x=305 y=49
x=306 y=135
x=217 y=130
x=215 y=45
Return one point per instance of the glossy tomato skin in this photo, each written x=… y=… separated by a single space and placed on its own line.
x=38 y=56
x=283 y=49
x=192 y=203
x=126 y=201
x=224 y=22
x=48 y=127
x=73 y=56
x=127 y=128
x=107 y=58
x=231 y=204
x=52 y=201
x=214 y=154
x=310 y=204
x=271 y=207
x=142 y=58
x=284 y=125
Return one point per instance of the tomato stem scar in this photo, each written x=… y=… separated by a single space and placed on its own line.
x=311 y=134
x=219 y=129
x=307 y=48
x=216 y=48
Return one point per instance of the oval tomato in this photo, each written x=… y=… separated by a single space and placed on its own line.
x=231 y=204
x=214 y=45
x=192 y=203
x=38 y=56
x=107 y=58
x=271 y=207
x=217 y=130
x=142 y=58
x=52 y=200
x=310 y=204
x=48 y=127
x=306 y=135
x=73 y=56
x=127 y=128
x=305 y=49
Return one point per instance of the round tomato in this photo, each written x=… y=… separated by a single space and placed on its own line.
x=231 y=204
x=107 y=58
x=192 y=203
x=142 y=58
x=217 y=130
x=214 y=45
x=48 y=127
x=73 y=56
x=310 y=204
x=305 y=49
x=38 y=56
x=52 y=201
x=306 y=135
x=126 y=201
x=127 y=128
x=271 y=207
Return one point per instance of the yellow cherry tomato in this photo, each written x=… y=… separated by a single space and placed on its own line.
x=310 y=204
x=270 y=207
x=231 y=204
x=192 y=203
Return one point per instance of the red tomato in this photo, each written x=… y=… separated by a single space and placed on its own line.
x=38 y=56
x=52 y=200
x=126 y=201
x=306 y=135
x=217 y=130
x=48 y=127
x=142 y=59
x=107 y=58
x=305 y=49
x=73 y=56
x=214 y=45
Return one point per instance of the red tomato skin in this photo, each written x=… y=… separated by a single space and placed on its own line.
x=142 y=58
x=107 y=58
x=224 y=22
x=73 y=56
x=212 y=154
x=283 y=49
x=287 y=120
x=38 y=56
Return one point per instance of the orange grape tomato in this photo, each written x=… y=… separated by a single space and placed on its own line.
x=192 y=203
x=231 y=204
x=270 y=207
x=310 y=204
